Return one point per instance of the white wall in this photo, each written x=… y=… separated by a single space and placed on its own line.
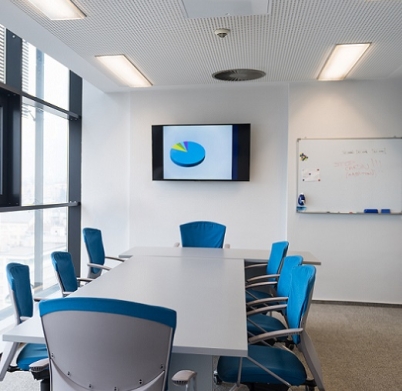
x=361 y=254
x=252 y=211
x=105 y=168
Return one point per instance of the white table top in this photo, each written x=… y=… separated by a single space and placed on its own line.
x=233 y=253
x=207 y=293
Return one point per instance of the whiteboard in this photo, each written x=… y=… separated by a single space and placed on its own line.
x=350 y=175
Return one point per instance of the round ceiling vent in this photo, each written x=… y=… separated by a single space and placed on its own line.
x=239 y=75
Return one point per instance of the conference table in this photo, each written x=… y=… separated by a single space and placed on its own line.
x=246 y=255
x=204 y=286
x=207 y=294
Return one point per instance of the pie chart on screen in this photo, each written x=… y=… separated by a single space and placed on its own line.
x=187 y=154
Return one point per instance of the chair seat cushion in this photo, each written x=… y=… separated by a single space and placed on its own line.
x=30 y=353
x=268 y=323
x=282 y=362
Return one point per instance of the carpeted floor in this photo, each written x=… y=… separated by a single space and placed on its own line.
x=359 y=348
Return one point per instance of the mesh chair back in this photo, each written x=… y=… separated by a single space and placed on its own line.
x=96 y=252
x=20 y=289
x=278 y=253
x=202 y=234
x=120 y=345
x=303 y=279
x=65 y=272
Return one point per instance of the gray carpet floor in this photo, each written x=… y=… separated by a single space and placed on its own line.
x=359 y=348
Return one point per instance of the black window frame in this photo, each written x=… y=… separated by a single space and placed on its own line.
x=11 y=97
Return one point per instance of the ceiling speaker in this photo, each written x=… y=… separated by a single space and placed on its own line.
x=239 y=75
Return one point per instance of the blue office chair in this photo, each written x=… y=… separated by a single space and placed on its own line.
x=272 y=272
x=96 y=252
x=202 y=234
x=133 y=356
x=22 y=302
x=275 y=365
x=261 y=323
x=65 y=272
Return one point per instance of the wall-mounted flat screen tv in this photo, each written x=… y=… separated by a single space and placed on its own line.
x=201 y=152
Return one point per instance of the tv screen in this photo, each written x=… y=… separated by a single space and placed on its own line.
x=201 y=152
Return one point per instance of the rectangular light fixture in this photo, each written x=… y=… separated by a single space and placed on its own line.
x=58 y=9
x=124 y=70
x=341 y=61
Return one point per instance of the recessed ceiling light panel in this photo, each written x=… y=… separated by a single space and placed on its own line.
x=58 y=9
x=223 y=8
x=239 y=75
x=124 y=70
x=341 y=61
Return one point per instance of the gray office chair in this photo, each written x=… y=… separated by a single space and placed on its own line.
x=23 y=355
x=87 y=350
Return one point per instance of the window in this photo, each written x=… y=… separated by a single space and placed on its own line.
x=44 y=77
x=44 y=173
x=40 y=164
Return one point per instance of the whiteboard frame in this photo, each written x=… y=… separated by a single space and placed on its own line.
x=306 y=211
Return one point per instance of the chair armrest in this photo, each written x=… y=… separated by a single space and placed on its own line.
x=262 y=277
x=115 y=258
x=248 y=286
x=39 y=366
x=40 y=369
x=182 y=378
x=255 y=265
x=84 y=279
x=66 y=293
x=96 y=266
x=273 y=334
x=267 y=300
x=264 y=310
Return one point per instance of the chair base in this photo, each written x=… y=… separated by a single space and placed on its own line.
x=45 y=385
x=266 y=387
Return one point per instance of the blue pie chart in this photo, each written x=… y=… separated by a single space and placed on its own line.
x=187 y=154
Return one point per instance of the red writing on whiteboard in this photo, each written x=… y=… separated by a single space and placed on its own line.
x=353 y=168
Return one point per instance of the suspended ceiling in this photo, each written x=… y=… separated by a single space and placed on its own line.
x=289 y=42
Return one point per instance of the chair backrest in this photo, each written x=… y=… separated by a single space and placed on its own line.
x=303 y=280
x=202 y=234
x=96 y=252
x=278 y=253
x=301 y=292
x=285 y=278
x=65 y=272
x=20 y=290
x=22 y=302
x=119 y=345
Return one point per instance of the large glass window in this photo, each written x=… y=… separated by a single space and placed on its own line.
x=44 y=157
x=44 y=77
x=40 y=165
x=29 y=238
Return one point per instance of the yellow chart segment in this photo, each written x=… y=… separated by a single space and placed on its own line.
x=180 y=147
